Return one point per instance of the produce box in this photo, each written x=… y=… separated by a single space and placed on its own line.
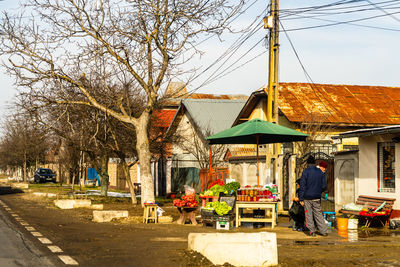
x=222 y=225
x=208 y=215
x=224 y=218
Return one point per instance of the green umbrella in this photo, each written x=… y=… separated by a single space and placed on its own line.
x=257 y=132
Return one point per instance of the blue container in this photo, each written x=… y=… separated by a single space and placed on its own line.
x=330 y=217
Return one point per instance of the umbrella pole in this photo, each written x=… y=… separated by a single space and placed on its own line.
x=258 y=174
x=210 y=163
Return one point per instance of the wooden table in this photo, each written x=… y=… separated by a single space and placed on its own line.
x=256 y=205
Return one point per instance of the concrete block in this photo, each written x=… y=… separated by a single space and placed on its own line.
x=165 y=219
x=238 y=249
x=108 y=215
x=39 y=194
x=21 y=185
x=72 y=203
x=97 y=207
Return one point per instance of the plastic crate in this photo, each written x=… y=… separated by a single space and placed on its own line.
x=224 y=218
x=222 y=225
x=208 y=215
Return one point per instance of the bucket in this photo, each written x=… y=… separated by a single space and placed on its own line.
x=342 y=223
x=352 y=224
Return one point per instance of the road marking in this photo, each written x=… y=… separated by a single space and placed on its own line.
x=68 y=260
x=45 y=240
x=55 y=249
x=36 y=234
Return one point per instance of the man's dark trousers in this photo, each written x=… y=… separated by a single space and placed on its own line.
x=313 y=211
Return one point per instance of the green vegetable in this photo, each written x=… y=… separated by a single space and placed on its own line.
x=216 y=189
x=232 y=187
x=221 y=208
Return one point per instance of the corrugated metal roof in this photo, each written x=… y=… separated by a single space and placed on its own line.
x=212 y=115
x=394 y=129
x=163 y=118
x=348 y=104
x=334 y=104
x=177 y=101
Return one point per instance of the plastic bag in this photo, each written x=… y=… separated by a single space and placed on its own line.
x=160 y=211
x=189 y=190
x=352 y=206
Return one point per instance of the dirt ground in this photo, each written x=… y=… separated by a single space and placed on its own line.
x=132 y=243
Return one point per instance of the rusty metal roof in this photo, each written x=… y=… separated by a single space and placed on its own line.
x=336 y=104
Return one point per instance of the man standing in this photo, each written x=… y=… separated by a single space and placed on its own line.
x=312 y=184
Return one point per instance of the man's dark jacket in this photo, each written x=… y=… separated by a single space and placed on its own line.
x=312 y=183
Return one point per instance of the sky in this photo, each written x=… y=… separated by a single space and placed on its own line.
x=362 y=53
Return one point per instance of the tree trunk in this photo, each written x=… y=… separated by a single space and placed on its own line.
x=125 y=167
x=144 y=155
x=104 y=178
x=24 y=173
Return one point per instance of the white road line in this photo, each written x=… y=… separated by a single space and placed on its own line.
x=30 y=228
x=36 y=234
x=45 y=240
x=55 y=249
x=24 y=223
x=68 y=260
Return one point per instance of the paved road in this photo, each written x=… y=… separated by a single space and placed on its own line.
x=16 y=249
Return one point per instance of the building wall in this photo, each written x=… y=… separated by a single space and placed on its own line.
x=117 y=177
x=367 y=183
x=346 y=173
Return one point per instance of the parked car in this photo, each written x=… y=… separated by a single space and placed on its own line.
x=43 y=175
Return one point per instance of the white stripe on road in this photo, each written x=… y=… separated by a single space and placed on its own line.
x=36 y=234
x=45 y=240
x=55 y=249
x=68 y=260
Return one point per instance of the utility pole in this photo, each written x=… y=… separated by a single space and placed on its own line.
x=271 y=22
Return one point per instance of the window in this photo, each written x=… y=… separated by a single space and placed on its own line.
x=386 y=170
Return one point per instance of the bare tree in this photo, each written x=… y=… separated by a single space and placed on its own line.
x=139 y=43
x=193 y=141
x=314 y=125
x=24 y=143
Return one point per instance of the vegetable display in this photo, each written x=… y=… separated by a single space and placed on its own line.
x=217 y=182
x=232 y=186
x=221 y=208
x=188 y=201
x=218 y=188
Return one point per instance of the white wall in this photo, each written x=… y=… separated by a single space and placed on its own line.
x=367 y=183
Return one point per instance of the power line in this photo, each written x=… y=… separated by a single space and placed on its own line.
x=352 y=24
x=308 y=77
x=383 y=10
x=340 y=22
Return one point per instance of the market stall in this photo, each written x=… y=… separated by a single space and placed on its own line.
x=261 y=201
x=187 y=206
x=256 y=132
